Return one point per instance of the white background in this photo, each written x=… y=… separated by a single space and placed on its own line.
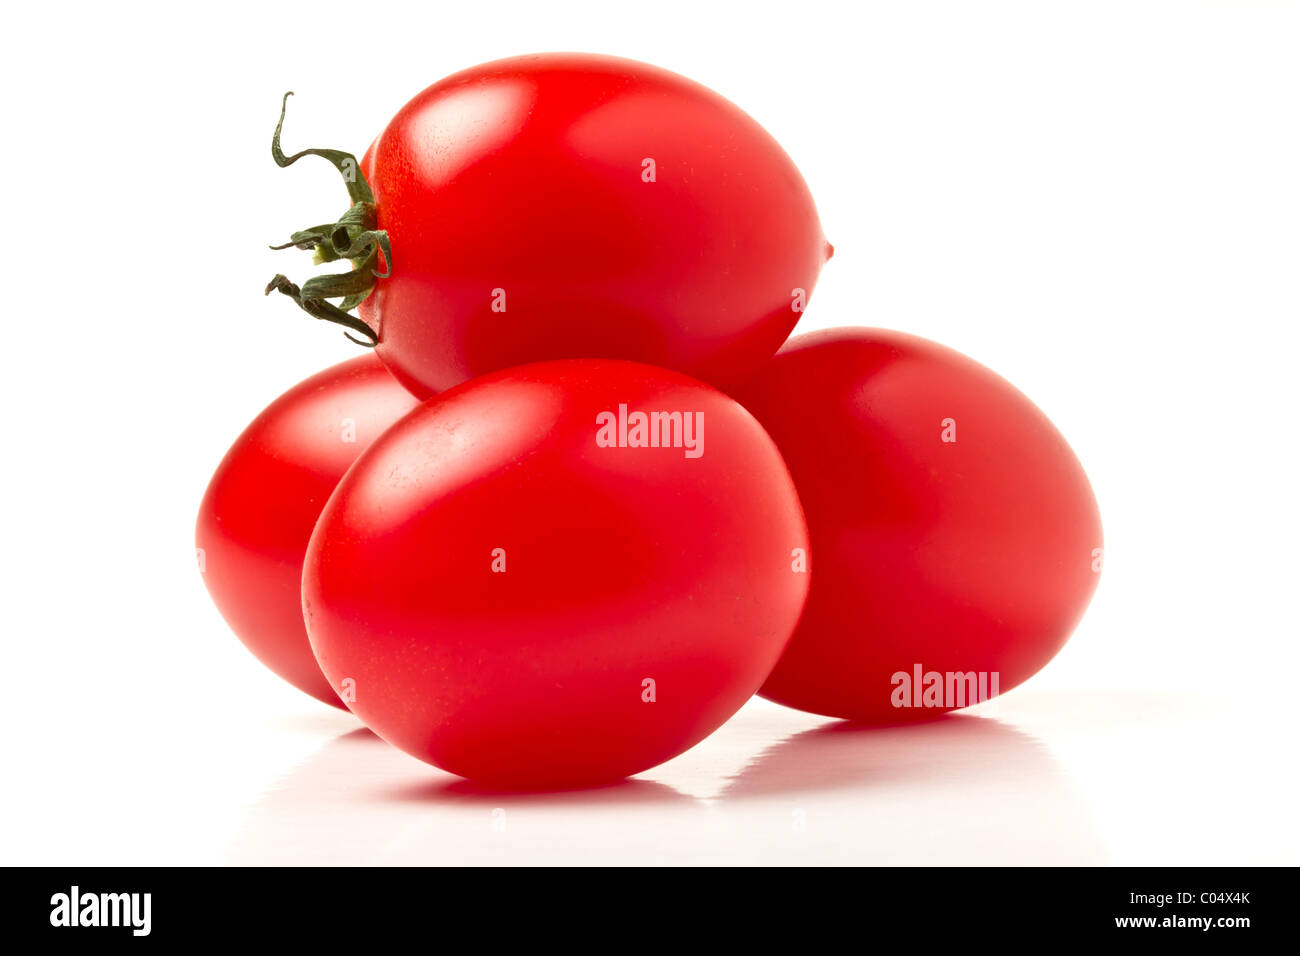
x=1099 y=200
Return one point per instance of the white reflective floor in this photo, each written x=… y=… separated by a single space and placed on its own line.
x=1052 y=775
x=1071 y=777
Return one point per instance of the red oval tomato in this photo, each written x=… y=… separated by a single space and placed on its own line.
x=263 y=502
x=954 y=532
x=567 y=206
x=513 y=588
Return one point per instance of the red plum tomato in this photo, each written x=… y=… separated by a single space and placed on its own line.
x=263 y=502
x=560 y=206
x=559 y=574
x=956 y=540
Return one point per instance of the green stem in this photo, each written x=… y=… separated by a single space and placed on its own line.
x=321 y=309
x=353 y=237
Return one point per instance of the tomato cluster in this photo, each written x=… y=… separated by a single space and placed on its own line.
x=573 y=512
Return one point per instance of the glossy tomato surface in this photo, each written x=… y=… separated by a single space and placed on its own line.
x=567 y=206
x=953 y=530
x=263 y=502
x=514 y=589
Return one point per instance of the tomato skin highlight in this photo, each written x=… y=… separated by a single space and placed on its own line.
x=524 y=228
x=968 y=555
x=498 y=586
x=263 y=501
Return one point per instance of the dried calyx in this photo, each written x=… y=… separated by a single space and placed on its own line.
x=354 y=237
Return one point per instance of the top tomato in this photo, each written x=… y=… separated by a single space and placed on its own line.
x=578 y=206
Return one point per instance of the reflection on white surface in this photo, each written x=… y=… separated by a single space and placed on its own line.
x=963 y=789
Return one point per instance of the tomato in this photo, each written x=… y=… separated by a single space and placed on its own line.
x=263 y=502
x=954 y=532
x=568 y=206
x=510 y=585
